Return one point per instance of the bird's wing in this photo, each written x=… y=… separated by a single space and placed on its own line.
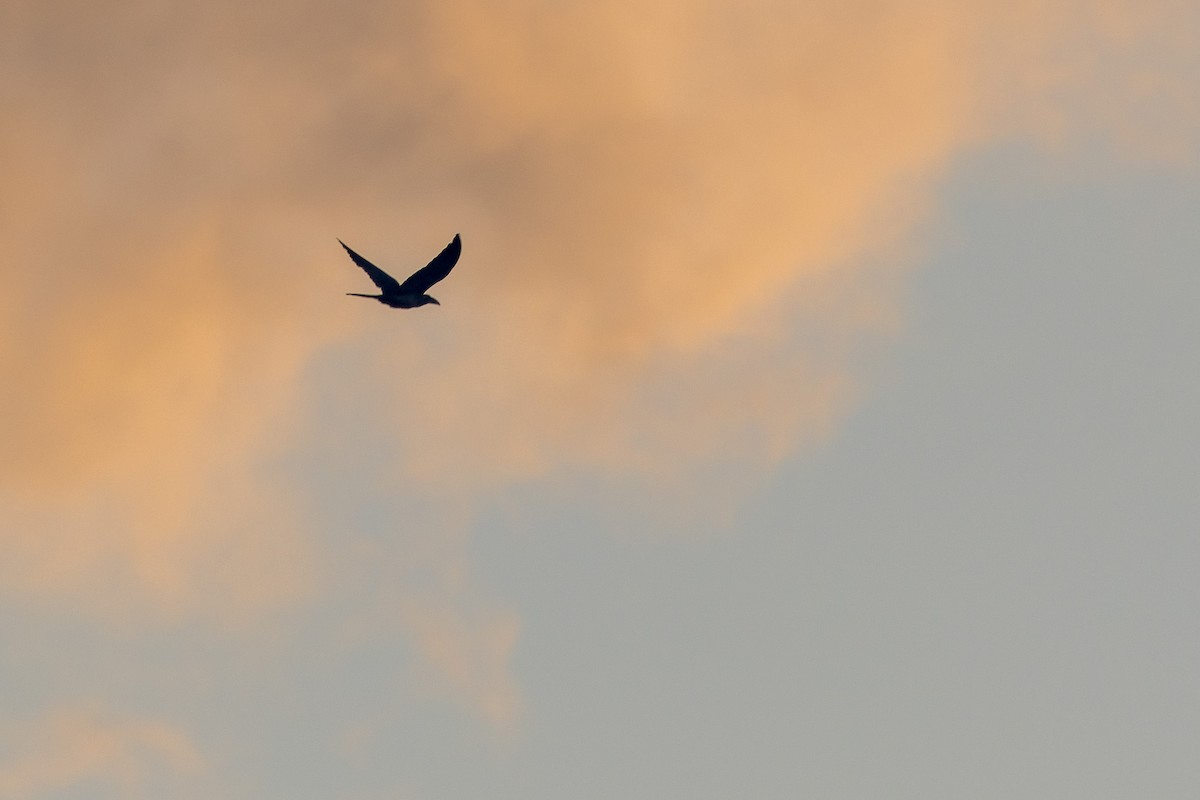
x=420 y=281
x=386 y=283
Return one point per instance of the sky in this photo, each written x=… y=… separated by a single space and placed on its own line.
x=811 y=412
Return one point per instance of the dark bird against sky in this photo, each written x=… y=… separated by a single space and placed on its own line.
x=412 y=292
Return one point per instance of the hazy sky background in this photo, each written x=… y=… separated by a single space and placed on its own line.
x=812 y=412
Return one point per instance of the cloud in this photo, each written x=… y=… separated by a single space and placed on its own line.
x=654 y=204
x=136 y=410
x=1117 y=72
x=77 y=748
x=468 y=651
x=683 y=222
x=656 y=194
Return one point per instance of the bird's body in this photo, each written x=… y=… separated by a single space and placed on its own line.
x=399 y=301
x=411 y=293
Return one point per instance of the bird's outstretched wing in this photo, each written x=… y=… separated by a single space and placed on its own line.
x=420 y=281
x=386 y=283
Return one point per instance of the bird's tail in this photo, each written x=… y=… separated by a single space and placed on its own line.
x=356 y=294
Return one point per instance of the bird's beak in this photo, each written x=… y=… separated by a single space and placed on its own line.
x=434 y=301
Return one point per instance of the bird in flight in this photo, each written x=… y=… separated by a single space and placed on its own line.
x=412 y=292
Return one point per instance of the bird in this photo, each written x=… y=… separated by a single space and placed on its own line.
x=411 y=293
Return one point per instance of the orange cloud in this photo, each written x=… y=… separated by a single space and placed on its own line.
x=469 y=653
x=1119 y=72
x=134 y=414
x=656 y=194
x=81 y=748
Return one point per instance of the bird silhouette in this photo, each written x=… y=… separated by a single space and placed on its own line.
x=412 y=292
